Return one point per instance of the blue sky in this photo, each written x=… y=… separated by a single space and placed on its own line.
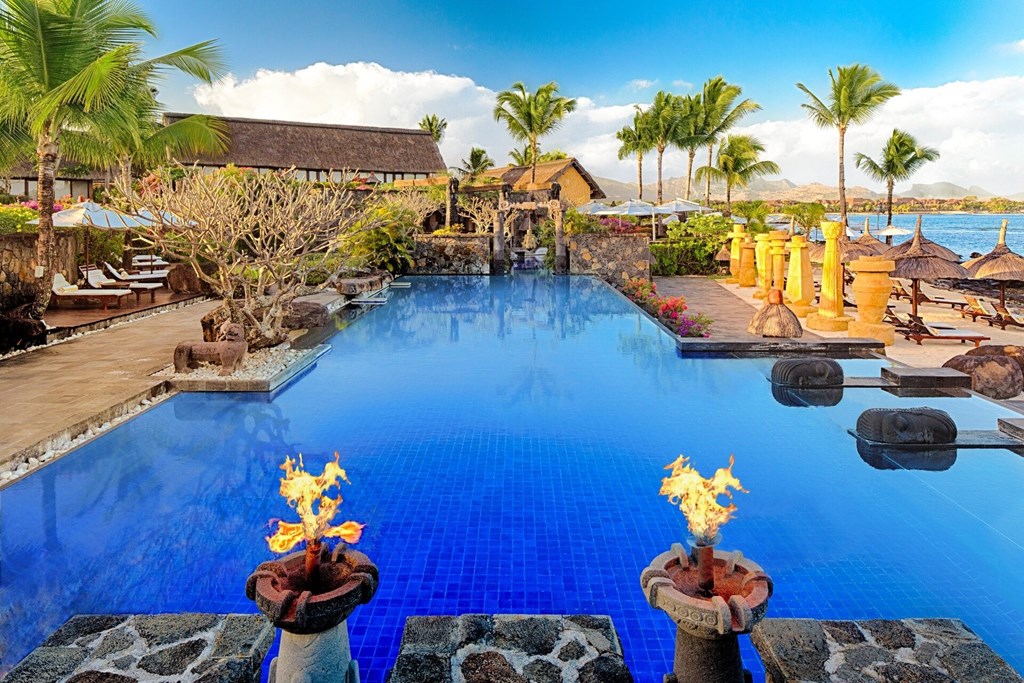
x=602 y=50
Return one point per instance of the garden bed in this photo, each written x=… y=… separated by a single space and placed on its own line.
x=263 y=370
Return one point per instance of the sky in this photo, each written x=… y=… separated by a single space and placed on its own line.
x=960 y=64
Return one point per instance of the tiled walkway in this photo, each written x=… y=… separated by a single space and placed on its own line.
x=45 y=391
x=703 y=295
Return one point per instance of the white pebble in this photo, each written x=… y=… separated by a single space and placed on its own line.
x=6 y=475
x=33 y=461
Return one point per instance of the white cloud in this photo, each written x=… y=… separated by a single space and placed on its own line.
x=974 y=124
x=685 y=85
x=640 y=84
x=1016 y=47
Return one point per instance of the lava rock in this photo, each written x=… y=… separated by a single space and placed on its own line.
x=977 y=662
x=115 y=641
x=230 y=671
x=101 y=677
x=902 y=672
x=792 y=649
x=305 y=315
x=475 y=628
x=46 y=664
x=174 y=659
x=489 y=667
x=571 y=651
x=161 y=629
x=863 y=656
x=431 y=634
x=598 y=630
x=606 y=668
x=1010 y=351
x=542 y=671
x=532 y=635
x=997 y=377
x=420 y=668
x=843 y=632
x=890 y=634
x=82 y=625
x=182 y=279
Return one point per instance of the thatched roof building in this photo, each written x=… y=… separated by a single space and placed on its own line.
x=317 y=149
x=72 y=179
x=578 y=186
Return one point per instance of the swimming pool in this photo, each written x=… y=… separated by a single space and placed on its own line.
x=505 y=439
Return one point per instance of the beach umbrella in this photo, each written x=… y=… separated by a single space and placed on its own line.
x=632 y=207
x=679 y=206
x=892 y=231
x=591 y=207
x=90 y=215
x=1000 y=264
x=916 y=263
x=868 y=240
x=849 y=250
x=926 y=244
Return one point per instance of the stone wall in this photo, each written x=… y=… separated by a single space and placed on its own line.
x=612 y=257
x=452 y=255
x=18 y=260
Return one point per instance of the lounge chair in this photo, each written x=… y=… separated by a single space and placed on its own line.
x=923 y=298
x=95 y=277
x=899 y=291
x=1004 y=317
x=123 y=276
x=148 y=262
x=64 y=290
x=977 y=308
x=919 y=332
x=893 y=318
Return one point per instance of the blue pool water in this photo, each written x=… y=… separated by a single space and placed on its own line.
x=505 y=439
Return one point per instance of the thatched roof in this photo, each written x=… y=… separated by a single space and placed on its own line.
x=27 y=169
x=848 y=250
x=547 y=172
x=320 y=146
x=999 y=264
x=870 y=241
x=919 y=264
x=926 y=244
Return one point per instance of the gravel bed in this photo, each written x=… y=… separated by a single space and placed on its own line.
x=262 y=364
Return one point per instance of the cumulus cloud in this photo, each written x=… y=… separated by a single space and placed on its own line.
x=1016 y=47
x=685 y=85
x=640 y=84
x=974 y=124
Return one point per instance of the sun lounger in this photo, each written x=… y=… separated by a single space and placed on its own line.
x=148 y=261
x=136 y=277
x=899 y=291
x=977 y=308
x=893 y=318
x=1004 y=318
x=95 y=277
x=923 y=298
x=64 y=290
x=920 y=332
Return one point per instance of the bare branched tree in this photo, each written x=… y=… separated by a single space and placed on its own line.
x=263 y=234
x=420 y=202
x=480 y=209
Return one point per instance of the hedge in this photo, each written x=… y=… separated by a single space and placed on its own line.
x=686 y=256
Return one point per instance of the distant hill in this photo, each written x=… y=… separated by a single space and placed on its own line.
x=787 y=190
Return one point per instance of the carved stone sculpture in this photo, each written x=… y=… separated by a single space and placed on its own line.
x=807 y=372
x=906 y=426
x=229 y=353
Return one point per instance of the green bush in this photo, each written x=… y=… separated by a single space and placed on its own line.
x=383 y=239
x=323 y=270
x=15 y=218
x=686 y=256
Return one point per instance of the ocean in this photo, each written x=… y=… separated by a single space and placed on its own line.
x=964 y=233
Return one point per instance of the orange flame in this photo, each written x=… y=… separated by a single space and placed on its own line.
x=304 y=491
x=697 y=497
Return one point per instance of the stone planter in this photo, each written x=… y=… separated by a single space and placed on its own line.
x=872 y=288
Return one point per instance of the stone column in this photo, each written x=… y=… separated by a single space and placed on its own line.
x=800 y=284
x=317 y=658
x=561 y=255
x=872 y=287
x=830 y=316
x=777 y=239
x=736 y=239
x=763 y=256
x=748 y=271
x=498 y=251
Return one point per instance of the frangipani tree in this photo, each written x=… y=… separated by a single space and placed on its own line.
x=902 y=156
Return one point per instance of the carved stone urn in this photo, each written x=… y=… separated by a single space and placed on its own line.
x=872 y=288
x=748 y=271
x=712 y=596
x=312 y=614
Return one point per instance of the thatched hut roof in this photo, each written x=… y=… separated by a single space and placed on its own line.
x=870 y=241
x=848 y=251
x=999 y=264
x=926 y=244
x=547 y=172
x=917 y=263
x=260 y=143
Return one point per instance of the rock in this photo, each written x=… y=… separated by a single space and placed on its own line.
x=532 y=635
x=997 y=377
x=230 y=671
x=82 y=625
x=571 y=651
x=606 y=668
x=489 y=667
x=19 y=331
x=863 y=656
x=843 y=632
x=101 y=677
x=431 y=634
x=213 y=320
x=902 y=672
x=351 y=286
x=598 y=630
x=891 y=635
x=182 y=279
x=161 y=629
x=173 y=660
x=542 y=671
x=977 y=662
x=114 y=641
x=305 y=315
x=420 y=668
x=46 y=665
x=792 y=649
x=1015 y=353
x=475 y=628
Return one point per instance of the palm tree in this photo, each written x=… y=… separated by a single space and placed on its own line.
x=689 y=135
x=662 y=122
x=476 y=163
x=901 y=157
x=71 y=71
x=719 y=113
x=521 y=156
x=636 y=139
x=737 y=164
x=435 y=125
x=857 y=92
x=530 y=116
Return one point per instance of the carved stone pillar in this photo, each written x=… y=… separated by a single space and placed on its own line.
x=830 y=316
x=763 y=258
x=748 y=270
x=736 y=237
x=872 y=287
x=777 y=238
x=561 y=255
x=800 y=284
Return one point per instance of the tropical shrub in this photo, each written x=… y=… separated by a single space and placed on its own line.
x=669 y=310
x=383 y=238
x=15 y=218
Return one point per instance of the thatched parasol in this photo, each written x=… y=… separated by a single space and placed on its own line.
x=917 y=264
x=1000 y=264
x=926 y=244
x=723 y=254
x=869 y=240
x=774 y=319
x=848 y=250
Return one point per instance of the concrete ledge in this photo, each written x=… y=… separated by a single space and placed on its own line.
x=936 y=650
x=837 y=348
x=126 y=648
x=229 y=383
x=933 y=378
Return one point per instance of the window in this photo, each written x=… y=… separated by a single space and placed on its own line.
x=300 y=174
x=336 y=176
x=61 y=188
x=79 y=188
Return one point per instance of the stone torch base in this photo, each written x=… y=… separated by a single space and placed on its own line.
x=880 y=331
x=714 y=660
x=317 y=658
x=802 y=311
x=817 y=321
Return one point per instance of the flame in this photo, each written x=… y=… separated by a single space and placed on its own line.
x=304 y=492
x=697 y=497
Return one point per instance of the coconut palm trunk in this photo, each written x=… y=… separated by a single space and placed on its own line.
x=888 y=202
x=661 y=153
x=48 y=151
x=707 y=183
x=689 y=170
x=640 y=176
x=533 y=161
x=842 y=176
x=728 y=199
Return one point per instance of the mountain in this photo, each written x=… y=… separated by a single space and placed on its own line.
x=944 y=191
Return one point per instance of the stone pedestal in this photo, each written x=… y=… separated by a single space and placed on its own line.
x=315 y=658
x=737 y=236
x=830 y=316
x=800 y=283
x=748 y=271
x=777 y=239
x=705 y=660
x=763 y=257
x=872 y=287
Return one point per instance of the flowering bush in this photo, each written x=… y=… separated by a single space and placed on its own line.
x=34 y=205
x=670 y=310
x=620 y=226
x=15 y=218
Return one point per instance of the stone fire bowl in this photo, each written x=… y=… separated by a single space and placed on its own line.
x=347 y=578
x=739 y=599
